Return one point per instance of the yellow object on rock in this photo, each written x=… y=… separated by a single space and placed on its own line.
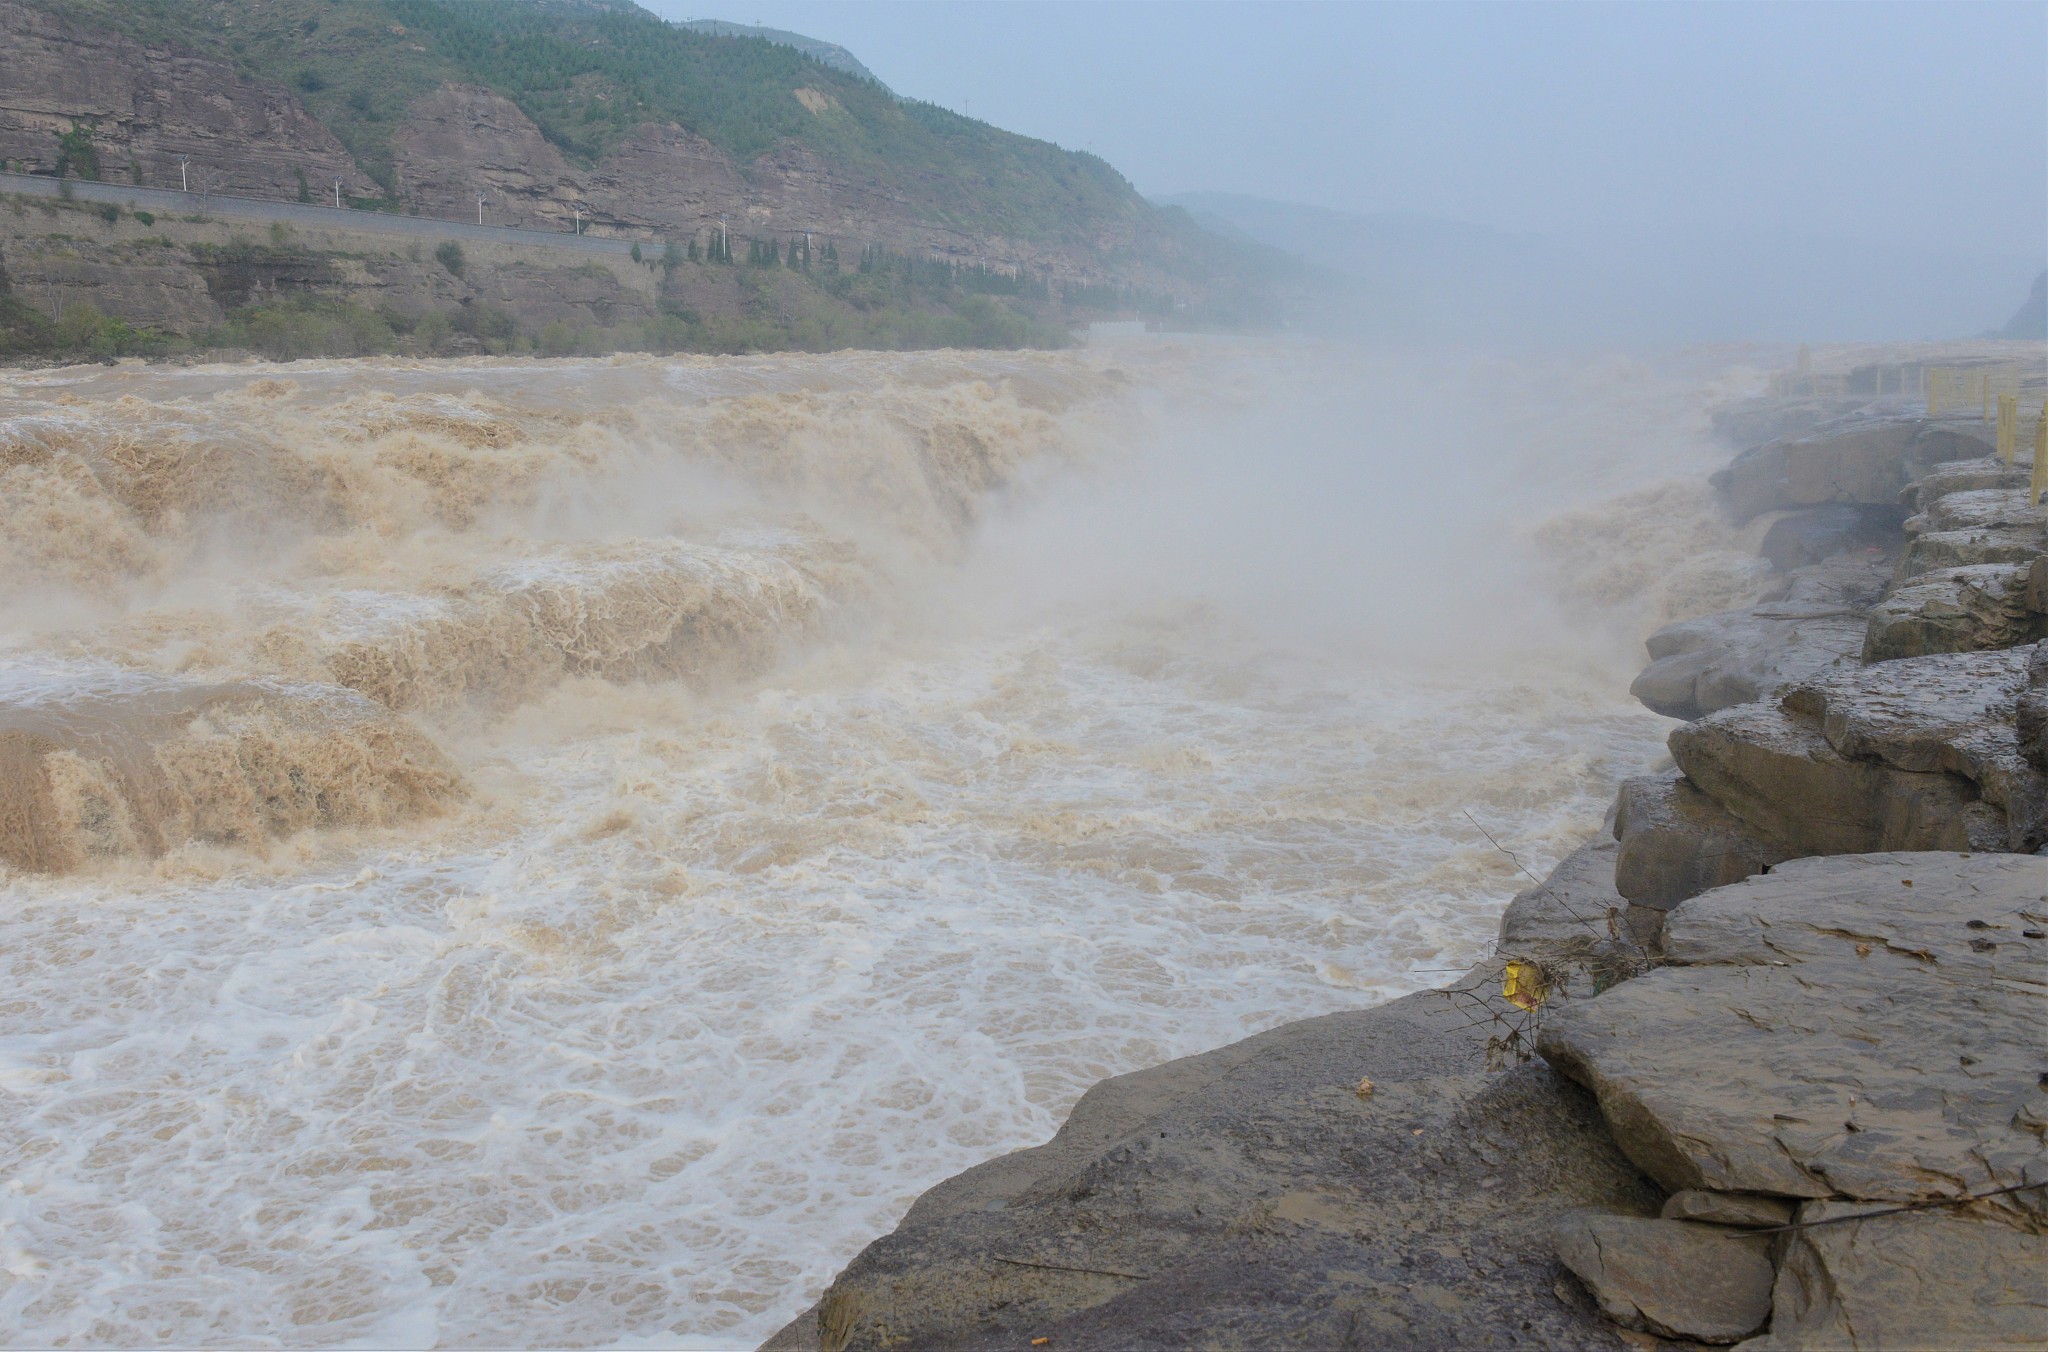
x=1523 y=985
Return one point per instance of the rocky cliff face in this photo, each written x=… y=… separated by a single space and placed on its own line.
x=186 y=276
x=148 y=106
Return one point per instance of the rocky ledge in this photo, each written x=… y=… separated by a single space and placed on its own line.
x=1763 y=1065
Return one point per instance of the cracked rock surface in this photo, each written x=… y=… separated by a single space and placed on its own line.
x=1955 y=610
x=1952 y=713
x=1927 y=1279
x=1862 y=1028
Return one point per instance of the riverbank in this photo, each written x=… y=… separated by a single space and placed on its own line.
x=1753 y=1066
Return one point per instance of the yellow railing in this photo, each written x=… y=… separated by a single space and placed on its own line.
x=2039 y=483
x=1952 y=389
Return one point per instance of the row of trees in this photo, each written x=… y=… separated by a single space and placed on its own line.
x=800 y=253
x=949 y=274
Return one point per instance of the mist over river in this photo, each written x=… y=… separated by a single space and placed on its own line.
x=561 y=853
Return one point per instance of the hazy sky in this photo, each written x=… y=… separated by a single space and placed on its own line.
x=1904 y=125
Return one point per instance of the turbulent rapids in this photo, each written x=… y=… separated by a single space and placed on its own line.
x=560 y=853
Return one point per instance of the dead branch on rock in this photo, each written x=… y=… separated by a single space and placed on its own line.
x=1527 y=984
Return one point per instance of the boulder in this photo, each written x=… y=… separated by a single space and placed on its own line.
x=1861 y=459
x=1918 y=1280
x=1864 y=1027
x=1675 y=842
x=1815 y=625
x=1669 y=1277
x=1800 y=539
x=1956 y=610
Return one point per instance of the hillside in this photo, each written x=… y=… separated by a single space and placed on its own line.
x=551 y=108
x=826 y=53
x=770 y=200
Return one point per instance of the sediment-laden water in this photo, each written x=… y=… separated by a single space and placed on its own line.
x=562 y=853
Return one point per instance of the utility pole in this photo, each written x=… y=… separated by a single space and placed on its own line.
x=337 y=193
x=184 y=183
x=579 y=220
x=479 y=208
x=724 y=241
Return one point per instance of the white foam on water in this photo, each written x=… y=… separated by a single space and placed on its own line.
x=1170 y=738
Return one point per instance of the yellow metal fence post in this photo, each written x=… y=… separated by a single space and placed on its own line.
x=1934 y=383
x=2008 y=425
x=2039 y=482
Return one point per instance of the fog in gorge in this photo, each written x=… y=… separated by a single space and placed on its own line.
x=561 y=852
x=1531 y=175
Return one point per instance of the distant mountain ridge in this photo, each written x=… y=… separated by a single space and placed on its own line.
x=2031 y=319
x=824 y=53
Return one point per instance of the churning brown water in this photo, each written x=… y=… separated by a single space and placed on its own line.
x=561 y=853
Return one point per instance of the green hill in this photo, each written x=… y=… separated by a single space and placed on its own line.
x=588 y=72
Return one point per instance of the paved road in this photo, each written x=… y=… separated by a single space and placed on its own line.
x=257 y=209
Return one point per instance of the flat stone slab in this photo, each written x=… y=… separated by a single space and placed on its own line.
x=1669 y=1277
x=1752 y=422
x=1864 y=1027
x=1977 y=509
x=1962 y=548
x=1960 y=476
